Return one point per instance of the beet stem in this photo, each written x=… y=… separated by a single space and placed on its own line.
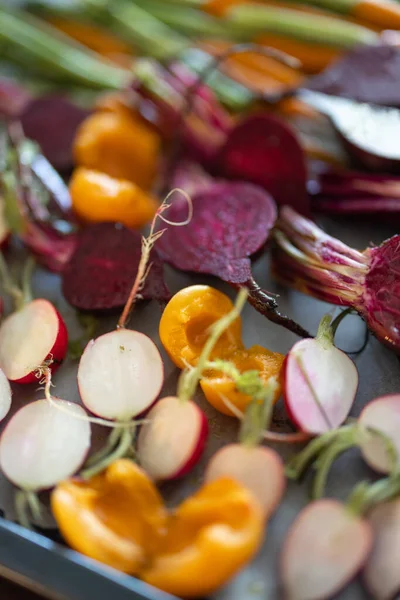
x=266 y=304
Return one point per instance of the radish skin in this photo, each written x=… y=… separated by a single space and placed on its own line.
x=120 y=374
x=29 y=338
x=322 y=399
x=172 y=440
x=42 y=445
x=5 y=396
x=382 y=414
x=325 y=548
x=259 y=469
x=382 y=573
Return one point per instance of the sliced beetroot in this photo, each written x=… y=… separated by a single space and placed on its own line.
x=191 y=178
x=366 y=74
x=231 y=222
x=52 y=121
x=101 y=271
x=13 y=98
x=263 y=150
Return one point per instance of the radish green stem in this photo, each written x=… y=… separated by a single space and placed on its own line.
x=258 y=414
x=336 y=322
x=8 y=284
x=147 y=245
x=325 y=462
x=124 y=444
x=109 y=446
x=25 y=500
x=34 y=505
x=27 y=280
x=364 y=496
x=189 y=379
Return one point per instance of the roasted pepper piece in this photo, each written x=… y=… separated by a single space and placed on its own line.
x=217 y=386
x=185 y=323
x=117 y=517
x=210 y=537
x=97 y=197
x=119 y=145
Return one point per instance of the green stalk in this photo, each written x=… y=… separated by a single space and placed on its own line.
x=30 y=42
x=252 y=19
x=339 y=6
x=185 y=19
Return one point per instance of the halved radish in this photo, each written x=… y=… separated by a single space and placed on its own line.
x=325 y=548
x=29 y=338
x=382 y=573
x=173 y=438
x=383 y=415
x=42 y=445
x=258 y=468
x=5 y=396
x=120 y=374
x=320 y=383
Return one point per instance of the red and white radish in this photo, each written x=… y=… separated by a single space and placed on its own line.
x=30 y=338
x=320 y=382
x=5 y=396
x=325 y=548
x=42 y=445
x=383 y=416
x=382 y=573
x=120 y=374
x=258 y=468
x=172 y=439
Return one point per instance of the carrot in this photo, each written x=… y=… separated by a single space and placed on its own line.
x=96 y=39
x=255 y=67
x=218 y=8
x=383 y=13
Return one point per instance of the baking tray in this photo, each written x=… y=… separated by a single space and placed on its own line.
x=33 y=560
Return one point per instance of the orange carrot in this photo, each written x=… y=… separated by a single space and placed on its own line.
x=382 y=13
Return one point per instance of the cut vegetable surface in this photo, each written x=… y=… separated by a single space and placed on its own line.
x=320 y=265
x=5 y=396
x=34 y=335
x=381 y=573
x=320 y=382
x=325 y=548
x=120 y=374
x=263 y=150
x=258 y=468
x=44 y=444
x=100 y=273
x=172 y=440
x=382 y=415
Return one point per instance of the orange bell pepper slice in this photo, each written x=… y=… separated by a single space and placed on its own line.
x=97 y=197
x=210 y=537
x=117 y=517
x=186 y=320
x=119 y=145
x=217 y=386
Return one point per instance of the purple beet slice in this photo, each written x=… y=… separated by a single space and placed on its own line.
x=52 y=121
x=265 y=151
x=366 y=74
x=231 y=222
x=100 y=273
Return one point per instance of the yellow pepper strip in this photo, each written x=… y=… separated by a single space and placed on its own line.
x=97 y=197
x=211 y=536
x=117 y=517
x=120 y=145
x=217 y=386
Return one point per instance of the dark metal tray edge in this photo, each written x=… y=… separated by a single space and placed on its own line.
x=37 y=563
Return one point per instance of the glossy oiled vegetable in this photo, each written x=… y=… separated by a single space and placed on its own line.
x=127 y=527
x=97 y=197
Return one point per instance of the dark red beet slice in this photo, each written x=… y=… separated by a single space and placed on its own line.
x=265 y=151
x=367 y=74
x=231 y=221
x=52 y=121
x=100 y=273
